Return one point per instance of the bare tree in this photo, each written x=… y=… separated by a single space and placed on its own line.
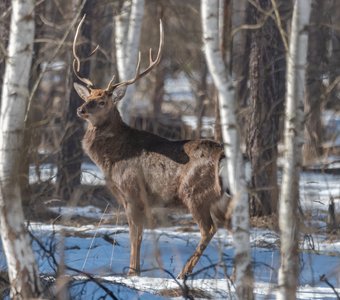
x=234 y=176
x=334 y=65
x=288 y=204
x=71 y=153
x=316 y=61
x=33 y=112
x=154 y=11
x=22 y=269
x=266 y=80
x=240 y=49
x=128 y=26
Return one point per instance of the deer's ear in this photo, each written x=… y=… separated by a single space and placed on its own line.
x=82 y=91
x=118 y=93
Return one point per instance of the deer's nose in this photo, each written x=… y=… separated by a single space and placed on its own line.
x=81 y=110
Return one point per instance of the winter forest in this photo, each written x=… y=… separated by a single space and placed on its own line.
x=167 y=149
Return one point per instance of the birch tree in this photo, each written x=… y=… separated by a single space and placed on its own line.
x=235 y=171
x=288 y=203
x=22 y=269
x=128 y=26
x=4 y=32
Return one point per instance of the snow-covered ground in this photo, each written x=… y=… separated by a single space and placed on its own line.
x=103 y=251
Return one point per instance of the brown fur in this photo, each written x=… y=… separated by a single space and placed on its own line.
x=144 y=170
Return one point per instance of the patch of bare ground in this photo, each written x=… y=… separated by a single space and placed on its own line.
x=185 y=293
x=265 y=222
x=333 y=237
x=321 y=224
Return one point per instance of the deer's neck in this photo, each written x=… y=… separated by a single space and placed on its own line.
x=103 y=142
x=112 y=124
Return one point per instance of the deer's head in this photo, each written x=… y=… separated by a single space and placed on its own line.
x=99 y=102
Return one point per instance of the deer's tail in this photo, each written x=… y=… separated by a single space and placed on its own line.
x=220 y=211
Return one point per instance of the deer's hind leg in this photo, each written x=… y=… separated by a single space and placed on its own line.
x=208 y=230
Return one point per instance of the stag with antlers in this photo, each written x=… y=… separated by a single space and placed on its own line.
x=144 y=170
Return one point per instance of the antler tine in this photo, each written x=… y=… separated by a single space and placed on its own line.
x=138 y=64
x=152 y=63
x=110 y=85
x=76 y=58
x=150 y=56
x=76 y=61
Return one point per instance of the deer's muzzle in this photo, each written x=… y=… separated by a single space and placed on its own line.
x=81 y=112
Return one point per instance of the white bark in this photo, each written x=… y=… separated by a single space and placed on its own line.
x=221 y=8
x=121 y=32
x=128 y=30
x=237 y=184
x=288 y=204
x=23 y=273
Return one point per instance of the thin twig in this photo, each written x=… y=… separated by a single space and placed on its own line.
x=95 y=280
x=94 y=236
x=248 y=27
x=279 y=25
x=324 y=279
x=334 y=83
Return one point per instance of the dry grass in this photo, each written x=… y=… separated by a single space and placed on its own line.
x=185 y=293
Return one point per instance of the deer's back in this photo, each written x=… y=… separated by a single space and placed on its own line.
x=139 y=163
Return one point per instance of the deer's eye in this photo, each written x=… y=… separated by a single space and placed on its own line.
x=101 y=103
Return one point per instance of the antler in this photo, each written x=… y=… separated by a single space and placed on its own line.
x=152 y=63
x=111 y=86
x=76 y=61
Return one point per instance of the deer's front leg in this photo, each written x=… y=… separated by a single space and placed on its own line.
x=135 y=220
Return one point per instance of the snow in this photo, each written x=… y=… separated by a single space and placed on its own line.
x=178 y=89
x=85 y=248
x=48 y=172
x=90 y=211
x=331 y=122
x=102 y=250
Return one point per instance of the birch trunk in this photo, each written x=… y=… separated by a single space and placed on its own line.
x=121 y=32
x=288 y=204
x=22 y=269
x=237 y=184
x=128 y=30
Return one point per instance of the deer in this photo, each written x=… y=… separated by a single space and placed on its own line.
x=144 y=170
